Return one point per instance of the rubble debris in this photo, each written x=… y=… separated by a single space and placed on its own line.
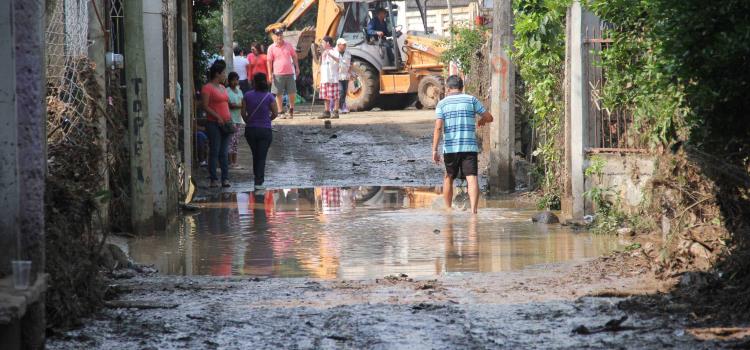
x=139 y=304
x=613 y=325
x=545 y=217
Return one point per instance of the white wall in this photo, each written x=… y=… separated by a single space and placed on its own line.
x=438 y=19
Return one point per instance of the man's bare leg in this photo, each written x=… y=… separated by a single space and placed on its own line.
x=280 y=103
x=448 y=192
x=473 y=182
x=292 y=98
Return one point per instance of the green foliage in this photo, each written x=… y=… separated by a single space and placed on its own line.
x=596 y=167
x=467 y=44
x=635 y=76
x=633 y=247
x=680 y=65
x=209 y=35
x=539 y=54
x=704 y=47
x=608 y=215
x=251 y=17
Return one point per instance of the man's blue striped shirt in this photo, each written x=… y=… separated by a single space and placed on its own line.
x=458 y=113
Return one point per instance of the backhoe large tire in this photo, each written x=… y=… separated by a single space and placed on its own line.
x=396 y=102
x=365 y=89
x=430 y=91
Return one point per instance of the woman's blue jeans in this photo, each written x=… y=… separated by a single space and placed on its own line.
x=218 y=150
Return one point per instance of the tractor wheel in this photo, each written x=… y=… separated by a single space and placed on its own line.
x=430 y=91
x=365 y=88
x=395 y=102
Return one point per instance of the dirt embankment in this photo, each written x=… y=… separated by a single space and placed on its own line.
x=698 y=211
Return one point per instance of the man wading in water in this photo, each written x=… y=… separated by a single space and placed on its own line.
x=457 y=123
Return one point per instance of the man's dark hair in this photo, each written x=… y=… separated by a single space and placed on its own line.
x=233 y=76
x=381 y=9
x=237 y=51
x=455 y=82
x=328 y=39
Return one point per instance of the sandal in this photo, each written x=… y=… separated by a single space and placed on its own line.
x=226 y=184
x=213 y=184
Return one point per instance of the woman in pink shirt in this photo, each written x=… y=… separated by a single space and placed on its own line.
x=215 y=100
x=258 y=63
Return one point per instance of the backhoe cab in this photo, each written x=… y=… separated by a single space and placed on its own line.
x=414 y=74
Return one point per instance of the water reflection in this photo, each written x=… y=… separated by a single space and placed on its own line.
x=357 y=232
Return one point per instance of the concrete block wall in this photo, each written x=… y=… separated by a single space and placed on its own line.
x=626 y=175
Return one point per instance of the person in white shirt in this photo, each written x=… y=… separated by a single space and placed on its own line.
x=240 y=67
x=345 y=73
x=329 y=79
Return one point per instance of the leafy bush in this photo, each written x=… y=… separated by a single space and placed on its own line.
x=681 y=65
x=467 y=44
x=540 y=54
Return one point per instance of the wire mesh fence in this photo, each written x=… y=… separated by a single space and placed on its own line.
x=67 y=48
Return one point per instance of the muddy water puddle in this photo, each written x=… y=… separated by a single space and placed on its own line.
x=357 y=233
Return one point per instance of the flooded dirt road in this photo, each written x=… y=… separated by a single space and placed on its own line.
x=358 y=233
x=373 y=262
x=368 y=148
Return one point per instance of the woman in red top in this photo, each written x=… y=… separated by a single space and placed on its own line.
x=258 y=64
x=215 y=102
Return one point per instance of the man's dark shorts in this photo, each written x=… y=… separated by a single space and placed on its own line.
x=460 y=165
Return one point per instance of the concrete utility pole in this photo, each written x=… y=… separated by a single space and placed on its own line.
x=97 y=52
x=9 y=200
x=502 y=130
x=154 y=44
x=142 y=198
x=228 y=34
x=31 y=90
x=450 y=19
x=578 y=105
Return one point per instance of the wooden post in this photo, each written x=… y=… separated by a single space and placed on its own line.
x=172 y=155
x=228 y=34
x=187 y=91
x=502 y=130
x=142 y=197
x=97 y=52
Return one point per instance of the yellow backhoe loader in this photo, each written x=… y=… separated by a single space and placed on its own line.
x=415 y=76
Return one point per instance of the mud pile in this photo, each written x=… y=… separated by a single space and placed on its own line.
x=699 y=207
x=72 y=243
x=685 y=210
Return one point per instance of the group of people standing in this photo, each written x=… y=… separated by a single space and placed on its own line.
x=246 y=100
x=231 y=112
x=335 y=73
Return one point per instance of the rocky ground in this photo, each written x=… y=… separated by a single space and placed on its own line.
x=605 y=303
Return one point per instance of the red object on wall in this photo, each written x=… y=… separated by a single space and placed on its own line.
x=479 y=20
